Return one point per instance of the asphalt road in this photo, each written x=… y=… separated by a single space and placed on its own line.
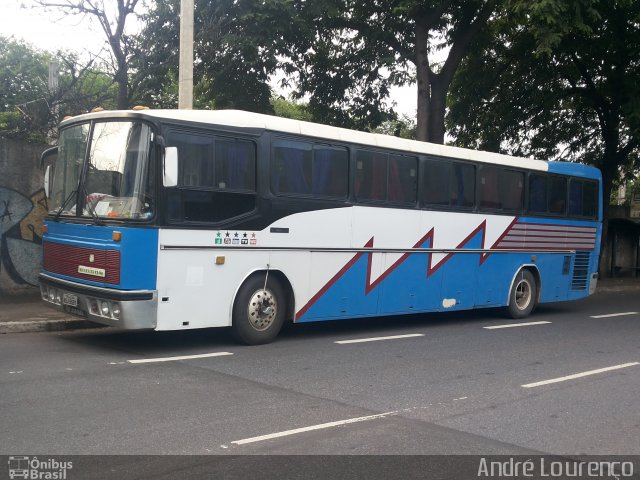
x=447 y=385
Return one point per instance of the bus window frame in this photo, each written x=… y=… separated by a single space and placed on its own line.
x=313 y=143
x=212 y=133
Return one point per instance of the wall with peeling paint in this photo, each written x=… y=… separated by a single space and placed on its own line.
x=22 y=209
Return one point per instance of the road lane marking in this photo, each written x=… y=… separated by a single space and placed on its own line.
x=610 y=315
x=311 y=428
x=513 y=325
x=580 y=375
x=377 y=339
x=183 y=357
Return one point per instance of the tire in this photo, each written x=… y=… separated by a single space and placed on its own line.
x=523 y=295
x=258 y=313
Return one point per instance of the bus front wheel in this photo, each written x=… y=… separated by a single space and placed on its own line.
x=523 y=295
x=259 y=311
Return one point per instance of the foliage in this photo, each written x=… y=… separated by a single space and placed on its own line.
x=291 y=109
x=568 y=92
x=28 y=108
x=403 y=127
x=112 y=18
x=231 y=70
x=346 y=55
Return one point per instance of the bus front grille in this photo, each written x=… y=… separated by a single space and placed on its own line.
x=579 y=281
x=93 y=264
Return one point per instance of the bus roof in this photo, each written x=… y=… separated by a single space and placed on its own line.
x=242 y=119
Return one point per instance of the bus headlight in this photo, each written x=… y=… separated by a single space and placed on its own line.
x=115 y=310
x=104 y=309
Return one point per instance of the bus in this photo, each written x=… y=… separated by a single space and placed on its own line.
x=183 y=219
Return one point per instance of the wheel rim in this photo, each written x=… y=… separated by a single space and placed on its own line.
x=262 y=309
x=523 y=294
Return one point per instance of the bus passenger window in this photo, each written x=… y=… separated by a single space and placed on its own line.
x=557 y=195
x=402 y=179
x=538 y=194
x=291 y=169
x=489 y=193
x=463 y=185
x=235 y=165
x=371 y=175
x=196 y=159
x=590 y=204
x=576 y=203
x=511 y=190
x=437 y=180
x=330 y=175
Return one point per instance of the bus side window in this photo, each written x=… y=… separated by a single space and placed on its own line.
x=557 y=195
x=196 y=160
x=437 y=180
x=291 y=169
x=489 y=192
x=371 y=175
x=330 y=175
x=537 y=194
x=590 y=204
x=235 y=164
x=402 y=185
x=575 y=198
x=511 y=190
x=463 y=185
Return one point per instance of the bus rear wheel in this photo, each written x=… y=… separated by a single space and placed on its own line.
x=259 y=311
x=523 y=295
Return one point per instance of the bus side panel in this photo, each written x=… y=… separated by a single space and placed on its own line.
x=194 y=291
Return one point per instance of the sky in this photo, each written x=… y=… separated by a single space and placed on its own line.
x=53 y=32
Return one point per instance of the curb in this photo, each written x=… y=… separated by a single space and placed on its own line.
x=30 y=326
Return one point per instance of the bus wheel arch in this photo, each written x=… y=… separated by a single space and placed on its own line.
x=524 y=293
x=259 y=311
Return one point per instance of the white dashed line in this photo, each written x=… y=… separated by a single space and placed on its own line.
x=611 y=315
x=311 y=428
x=183 y=357
x=377 y=339
x=513 y=325
x=580 y=375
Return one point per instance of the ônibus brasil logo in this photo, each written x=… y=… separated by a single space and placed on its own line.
x=38 y=469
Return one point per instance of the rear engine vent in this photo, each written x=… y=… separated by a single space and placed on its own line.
x=580 y=271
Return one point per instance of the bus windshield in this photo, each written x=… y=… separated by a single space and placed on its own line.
x=118 y=182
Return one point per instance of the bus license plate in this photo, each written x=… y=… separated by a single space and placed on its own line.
x=70 y=299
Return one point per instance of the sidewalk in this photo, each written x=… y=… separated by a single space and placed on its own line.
x=29 y=313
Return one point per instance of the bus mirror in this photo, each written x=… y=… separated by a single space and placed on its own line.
x=47 y=174
x=49 y=156
x=170 y=173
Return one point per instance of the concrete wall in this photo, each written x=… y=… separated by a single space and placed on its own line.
x=22 y=208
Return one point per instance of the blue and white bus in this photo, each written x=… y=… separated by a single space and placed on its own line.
x=173 y=220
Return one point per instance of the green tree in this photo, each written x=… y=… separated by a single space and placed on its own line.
x=29 y=109
x=560 y=79
x=347 y=54
x=231 y=70
x=112 y=17
x=291 y=109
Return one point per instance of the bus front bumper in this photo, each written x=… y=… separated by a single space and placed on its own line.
x=129 y=310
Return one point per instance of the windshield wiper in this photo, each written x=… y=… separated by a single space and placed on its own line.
x=89 y=207
x=64 y=204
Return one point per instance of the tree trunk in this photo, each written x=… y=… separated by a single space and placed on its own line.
x=609 y=174
x=435 y=131
x=423 y=77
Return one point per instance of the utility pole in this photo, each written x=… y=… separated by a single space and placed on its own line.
x=53 y=84
x=185 y=75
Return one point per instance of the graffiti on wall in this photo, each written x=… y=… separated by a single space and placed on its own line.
x=21 y=234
